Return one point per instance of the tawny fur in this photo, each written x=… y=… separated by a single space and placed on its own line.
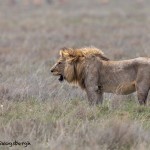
x=96 y=74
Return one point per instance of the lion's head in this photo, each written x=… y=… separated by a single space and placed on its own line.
x=58 y=68
x=70 y=65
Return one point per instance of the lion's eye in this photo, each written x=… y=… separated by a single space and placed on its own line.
x=59 y=63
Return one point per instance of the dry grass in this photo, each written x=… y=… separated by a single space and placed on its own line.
x=35 y=107
x=74 y=124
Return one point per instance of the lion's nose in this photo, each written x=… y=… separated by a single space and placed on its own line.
x=52 y=70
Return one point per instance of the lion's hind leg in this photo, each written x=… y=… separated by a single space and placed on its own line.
x=142 y=92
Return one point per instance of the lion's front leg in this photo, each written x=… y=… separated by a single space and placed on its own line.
x=93 y=90
x=95 y=95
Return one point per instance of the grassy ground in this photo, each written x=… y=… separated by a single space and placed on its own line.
x=74 y=124
x=35 y=107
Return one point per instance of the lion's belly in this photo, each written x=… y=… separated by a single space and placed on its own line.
x=123 y=89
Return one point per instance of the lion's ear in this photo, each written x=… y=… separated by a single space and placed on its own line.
x=61 y=53
x=70 y=55
x=64 y=52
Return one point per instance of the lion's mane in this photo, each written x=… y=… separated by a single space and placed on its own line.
x=75 y=69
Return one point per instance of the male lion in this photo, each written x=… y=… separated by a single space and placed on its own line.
x=92 y=71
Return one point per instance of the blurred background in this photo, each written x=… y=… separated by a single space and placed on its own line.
x=36 y=107
x=33 y=31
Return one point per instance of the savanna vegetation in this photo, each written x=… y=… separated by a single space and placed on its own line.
x=36 y=107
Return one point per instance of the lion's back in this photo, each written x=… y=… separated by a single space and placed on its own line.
x=143 y=60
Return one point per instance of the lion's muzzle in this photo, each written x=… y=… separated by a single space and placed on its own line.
x=52 y=69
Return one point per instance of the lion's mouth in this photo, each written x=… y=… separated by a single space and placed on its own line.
x=61 y=78
x=56 y=74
